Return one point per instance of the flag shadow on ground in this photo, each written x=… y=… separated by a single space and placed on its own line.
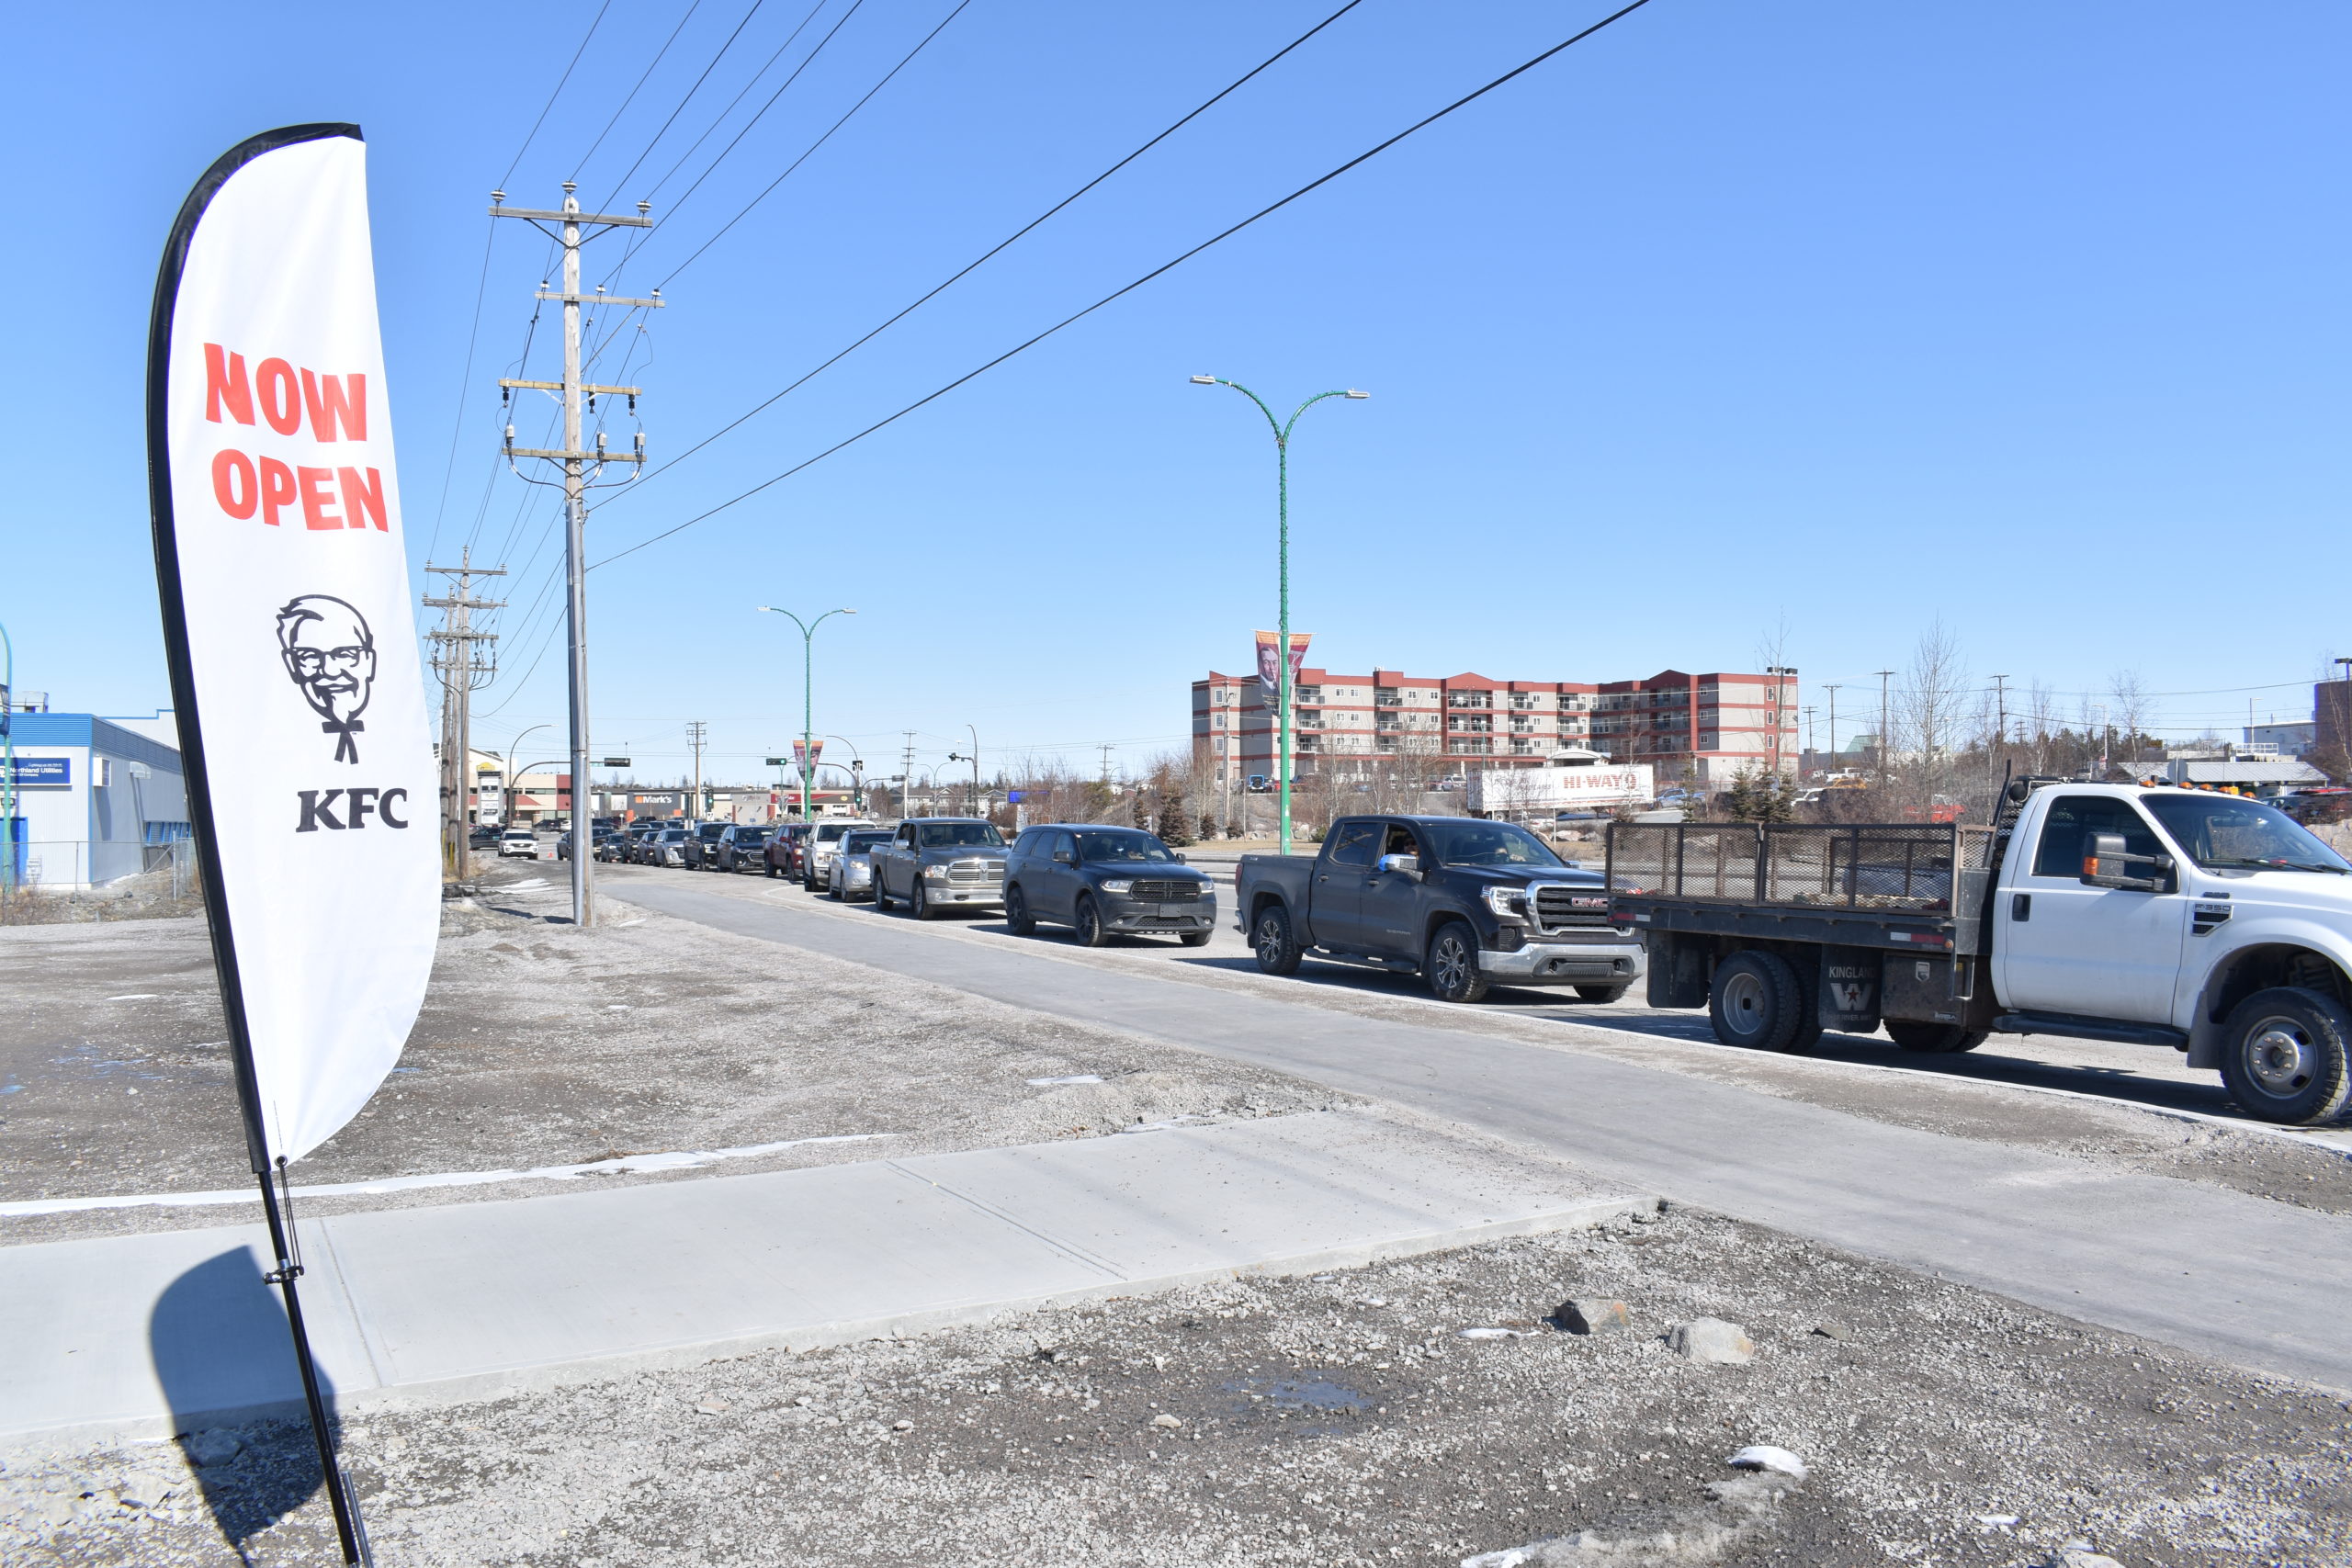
x=223 y=1354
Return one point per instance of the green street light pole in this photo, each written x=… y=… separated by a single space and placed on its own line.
x=808 y=700
x=1281 y=507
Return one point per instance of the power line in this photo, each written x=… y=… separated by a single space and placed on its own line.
x=1165 y=267
x=740 y=93
x=819 y=142
x=675 y=113
x=779 y=93
x=558 y=93
x=643 y=77
x=1005 y=244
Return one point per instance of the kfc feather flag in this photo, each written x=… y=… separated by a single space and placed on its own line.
x=280 y=560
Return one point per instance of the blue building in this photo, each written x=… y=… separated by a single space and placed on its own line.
x=97 y=799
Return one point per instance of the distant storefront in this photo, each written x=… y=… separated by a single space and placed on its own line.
x=97 y=799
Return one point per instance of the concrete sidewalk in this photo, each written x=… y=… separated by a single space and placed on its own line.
x=2257 y=1284
x=149 y=1335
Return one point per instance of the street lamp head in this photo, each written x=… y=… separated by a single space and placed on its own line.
x=1354 y=393
x=844 y=612
x=1204 y=380
x=767 y=609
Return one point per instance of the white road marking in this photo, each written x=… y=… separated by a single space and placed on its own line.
x=138 y=996
x=631 y=1165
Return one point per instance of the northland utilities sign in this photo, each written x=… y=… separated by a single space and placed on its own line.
x=280 y=557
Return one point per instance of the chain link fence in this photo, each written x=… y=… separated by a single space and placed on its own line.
x=43 y=881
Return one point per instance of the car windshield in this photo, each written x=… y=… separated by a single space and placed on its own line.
x=957 y=835
x=2226 y=831
x=1125 y=845
x=1467 y=841
x=859 y=843
x=712 y=830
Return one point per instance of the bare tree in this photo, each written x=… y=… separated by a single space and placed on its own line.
x=1934 y=703
x=2131 y=708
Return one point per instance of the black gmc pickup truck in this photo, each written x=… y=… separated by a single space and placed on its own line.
x=1462 y=902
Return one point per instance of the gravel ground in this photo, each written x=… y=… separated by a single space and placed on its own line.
x=1340 y=1419
x=538 y=1046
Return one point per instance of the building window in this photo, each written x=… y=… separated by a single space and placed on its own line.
x=1472 y=748
x=1522 y=748
x=1470 y=699
x=1471 y=724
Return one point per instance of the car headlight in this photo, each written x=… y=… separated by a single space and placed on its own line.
x=1507 y=903
x=934 y=873
x=1118 y=884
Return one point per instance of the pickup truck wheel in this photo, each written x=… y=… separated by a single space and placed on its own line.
x=1913 y=1035
x=1086 y=923
x=1604 y=995
x=1017 y=918
x=1452 y=967
x=918 y=901
x=1271 y=940
x=2284 y=1056
x=881 y=893
x=1754 y=1001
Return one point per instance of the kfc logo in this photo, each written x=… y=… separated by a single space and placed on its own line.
x=331 y=655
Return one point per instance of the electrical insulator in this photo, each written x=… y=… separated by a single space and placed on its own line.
x=632 y=402
x=503 y=394
x=640 y=444
x=510 y=435
x=600 y=444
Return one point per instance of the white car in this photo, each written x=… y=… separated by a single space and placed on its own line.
x=518 y=842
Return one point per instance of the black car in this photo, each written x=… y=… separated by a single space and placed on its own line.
x=596 y=844
x=484 y=836
x=740 y=848
x=702 y=845
x=1105 y=881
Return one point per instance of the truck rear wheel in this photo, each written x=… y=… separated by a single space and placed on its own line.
x=1755 y=1000
x=1452 y=967
x=1914 y=1035
x=1271 y=940
x=2283 y=1055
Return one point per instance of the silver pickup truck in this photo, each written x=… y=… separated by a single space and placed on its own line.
x=937 y=864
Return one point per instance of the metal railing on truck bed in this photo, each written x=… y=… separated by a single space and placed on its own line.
x=1893 y=868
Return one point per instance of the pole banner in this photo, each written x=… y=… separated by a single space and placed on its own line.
x=1268 y=676
x=281 y=565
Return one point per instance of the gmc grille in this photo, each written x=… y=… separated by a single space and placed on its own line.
x=1559 y=907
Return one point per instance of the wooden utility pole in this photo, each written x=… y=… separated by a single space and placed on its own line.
x=576 y=459
x=462 y=674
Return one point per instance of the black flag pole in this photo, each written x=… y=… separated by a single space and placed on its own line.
x=348 y=1526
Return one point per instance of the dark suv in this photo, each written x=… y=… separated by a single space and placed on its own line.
x=702 y=845
x=1105 y=881
x=739 y=847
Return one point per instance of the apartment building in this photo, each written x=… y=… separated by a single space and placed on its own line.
x=1695 y=728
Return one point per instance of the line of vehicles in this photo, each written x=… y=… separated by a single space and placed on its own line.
x=2209 y=923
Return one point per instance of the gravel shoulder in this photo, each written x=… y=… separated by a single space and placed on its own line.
x=537 y=1048
x=1340 y=1419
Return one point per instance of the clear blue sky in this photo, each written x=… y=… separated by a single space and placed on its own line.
x=1849 y=315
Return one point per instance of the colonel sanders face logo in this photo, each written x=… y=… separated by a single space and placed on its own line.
x=330 y=654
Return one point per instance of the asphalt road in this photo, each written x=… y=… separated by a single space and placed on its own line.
x=2247 y=1281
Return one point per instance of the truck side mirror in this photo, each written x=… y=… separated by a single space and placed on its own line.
x=2106 y=863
